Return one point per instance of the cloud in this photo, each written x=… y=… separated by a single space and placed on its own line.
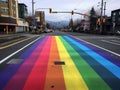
x=68 y=5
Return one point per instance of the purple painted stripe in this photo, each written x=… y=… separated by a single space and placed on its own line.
x=112 y=59
x=24 y=71
x=6 y=75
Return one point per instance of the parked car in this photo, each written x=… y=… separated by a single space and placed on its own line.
x=64 y=30
x=118 y=32
x=48 y=30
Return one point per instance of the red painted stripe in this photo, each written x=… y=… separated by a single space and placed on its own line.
x=37 y=77
x=18 y=80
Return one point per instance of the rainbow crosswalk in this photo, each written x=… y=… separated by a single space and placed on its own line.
x=85 y=67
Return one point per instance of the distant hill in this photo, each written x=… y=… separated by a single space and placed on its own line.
x=58 y=24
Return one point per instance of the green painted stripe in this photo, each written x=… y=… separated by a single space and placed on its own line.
x=92 y=79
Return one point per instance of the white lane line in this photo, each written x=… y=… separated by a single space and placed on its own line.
x=3 y=60
x=110 y=42
x=99 y=47
x=116 y=41
x=117 y=38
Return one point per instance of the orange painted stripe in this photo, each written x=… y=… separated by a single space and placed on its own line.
x=54 y=77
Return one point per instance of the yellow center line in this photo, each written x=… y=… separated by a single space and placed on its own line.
x=14 y=43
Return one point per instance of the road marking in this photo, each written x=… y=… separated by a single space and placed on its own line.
x=72 y=77
x=103 y=61
x=117 y=38
x=3 y=60
x=14 y=43
x=116 y=41
x=15 y=61
x=110 y=42
x=98 y=47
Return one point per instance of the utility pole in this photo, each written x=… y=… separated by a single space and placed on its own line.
x=33 y=13
x=33 y=7
x=101 y=16
x=104 y=7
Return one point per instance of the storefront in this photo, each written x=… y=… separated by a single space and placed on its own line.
x=7 y=25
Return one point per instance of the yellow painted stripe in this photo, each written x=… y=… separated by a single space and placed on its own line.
x=72 y=77
x=14 y=43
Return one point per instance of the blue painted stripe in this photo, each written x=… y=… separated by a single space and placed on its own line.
x=107 y=64
x=112 y=59
x=106 y=75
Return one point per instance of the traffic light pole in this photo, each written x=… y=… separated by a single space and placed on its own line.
x=60 y=12
x=101 y=17
x=69 y=12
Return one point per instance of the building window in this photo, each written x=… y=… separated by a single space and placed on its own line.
x=119 y=13
x=14 y=5
x=113 y=18
x=4 y=1
x=14 y=12
x=114 y=14
x=4 y=9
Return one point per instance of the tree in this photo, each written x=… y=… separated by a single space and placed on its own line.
x=30 y=20
x=92 y=12
x=71 y=23
x=93 y=19
x=48 y=25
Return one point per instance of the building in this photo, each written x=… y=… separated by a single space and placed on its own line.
x=23 y=25
x=115 y=17
x=22 y=10
x=8 y=16
x=40 y=18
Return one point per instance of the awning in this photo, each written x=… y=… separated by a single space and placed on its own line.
x=8 y=21
x=10 y=24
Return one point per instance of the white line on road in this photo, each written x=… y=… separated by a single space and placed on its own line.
x=117 y=38
x=3 y=60
x=99 y=47
x=110 y=42
x=116 y=41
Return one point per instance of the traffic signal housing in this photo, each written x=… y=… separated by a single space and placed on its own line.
x=72 y=12
x=98 y=21
x=84 y=15
x=50 y=10
x=104 y=20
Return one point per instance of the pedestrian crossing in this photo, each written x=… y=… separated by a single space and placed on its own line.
x=85 y=67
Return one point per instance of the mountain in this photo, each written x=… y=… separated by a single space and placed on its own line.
x=58 y=24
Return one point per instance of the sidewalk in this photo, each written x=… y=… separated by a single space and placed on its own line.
x=5 y=38
x=12 y=37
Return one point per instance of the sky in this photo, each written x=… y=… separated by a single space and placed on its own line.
x=81 y=6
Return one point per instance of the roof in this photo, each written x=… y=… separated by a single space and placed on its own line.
x=116 y=10
x=22 y=4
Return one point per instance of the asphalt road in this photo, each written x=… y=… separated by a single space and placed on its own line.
x=110 y=44
x=86 y=61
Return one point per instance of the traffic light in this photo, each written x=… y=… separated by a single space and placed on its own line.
x=50 y=10
x=84 y=15
x=104 y=20
x=98 y=21
x=72 y=12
